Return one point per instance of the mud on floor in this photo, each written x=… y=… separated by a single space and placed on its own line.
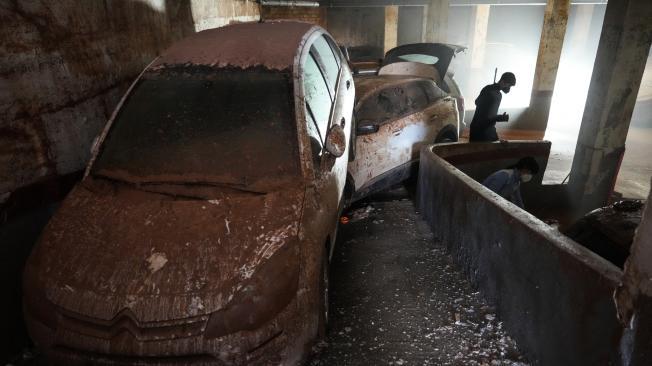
x=398 y=299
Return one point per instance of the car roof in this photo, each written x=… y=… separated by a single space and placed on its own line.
x=368 y=84
x=272 y=45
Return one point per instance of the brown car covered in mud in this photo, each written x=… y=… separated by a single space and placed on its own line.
x=202 y=230
x=411 y=100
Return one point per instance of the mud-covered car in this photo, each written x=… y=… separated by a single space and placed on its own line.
x=439 y=56
x=202 y=230
x=402 y=106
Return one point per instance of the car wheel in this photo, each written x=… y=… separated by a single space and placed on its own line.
x=324 y=296
x=447 y=137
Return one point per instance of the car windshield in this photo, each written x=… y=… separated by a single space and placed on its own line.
x=201 y=125
x=424 y=59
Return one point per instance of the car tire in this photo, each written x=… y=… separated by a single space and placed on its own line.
x=324 y=280
x=352 y=141
x=446 y=137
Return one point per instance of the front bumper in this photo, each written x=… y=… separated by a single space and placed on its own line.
x=272 y=343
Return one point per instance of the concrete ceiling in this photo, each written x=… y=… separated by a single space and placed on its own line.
x=365 y=3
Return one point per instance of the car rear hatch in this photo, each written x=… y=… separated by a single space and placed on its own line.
x=438 y=55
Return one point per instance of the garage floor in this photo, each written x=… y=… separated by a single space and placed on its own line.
x=398 y=299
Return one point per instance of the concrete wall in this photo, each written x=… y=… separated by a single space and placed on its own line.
x=65 y=65
x=315 y=15
x=554 y=296
x=360 y=29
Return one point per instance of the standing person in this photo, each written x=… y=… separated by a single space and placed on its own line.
x=507 y=182
x=483 y=126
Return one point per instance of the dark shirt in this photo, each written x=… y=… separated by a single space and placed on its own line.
x=483 y=125
x=507 y=183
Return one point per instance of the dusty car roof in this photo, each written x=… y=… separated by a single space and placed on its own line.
x=272 y=45
x=368 y=84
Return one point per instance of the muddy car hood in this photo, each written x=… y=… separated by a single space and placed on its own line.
x=107 y=250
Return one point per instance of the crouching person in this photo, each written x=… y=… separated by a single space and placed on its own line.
x=507 y=182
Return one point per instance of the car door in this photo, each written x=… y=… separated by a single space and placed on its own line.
x=328 y=99
x=330 y=95
x=393 y=124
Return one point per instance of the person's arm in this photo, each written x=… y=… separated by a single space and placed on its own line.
x=500 y=118
x=492 y=103
x=496 y=181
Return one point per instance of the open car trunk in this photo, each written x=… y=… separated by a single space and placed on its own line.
x=437 y=55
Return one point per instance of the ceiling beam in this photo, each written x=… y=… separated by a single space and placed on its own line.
x=373 y=3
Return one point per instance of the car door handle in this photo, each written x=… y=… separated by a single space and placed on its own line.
x=348 y=84
x=343 y=122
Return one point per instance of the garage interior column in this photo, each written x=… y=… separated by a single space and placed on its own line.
x=634 y=296
x=620 y=61
x=437 y=21
x=550 y=46
x=391 y=27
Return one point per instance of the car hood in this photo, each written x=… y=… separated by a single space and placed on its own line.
x=108 y=249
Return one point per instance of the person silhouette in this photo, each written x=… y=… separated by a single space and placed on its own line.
x=483 y=125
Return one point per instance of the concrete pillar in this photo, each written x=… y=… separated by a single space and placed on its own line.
x=622 y=54
x=478 y=29
x=391 y=27
x=437 y=21
x=550 y=45
x=479 y=35
x=634 y=296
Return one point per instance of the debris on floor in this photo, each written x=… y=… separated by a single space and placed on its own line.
x=397 y=298
x=360 y=213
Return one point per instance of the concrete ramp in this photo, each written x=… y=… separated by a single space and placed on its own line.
x=554 y=295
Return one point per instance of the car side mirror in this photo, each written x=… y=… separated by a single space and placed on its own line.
x=366 y=129
x=336 y=141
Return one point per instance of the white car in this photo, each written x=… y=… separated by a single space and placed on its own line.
x=403 y=105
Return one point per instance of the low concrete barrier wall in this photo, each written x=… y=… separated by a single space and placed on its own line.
x=554 y=296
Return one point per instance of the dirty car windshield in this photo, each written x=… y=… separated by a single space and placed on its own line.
x=204 y=125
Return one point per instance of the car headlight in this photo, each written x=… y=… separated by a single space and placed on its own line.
x=267 y=293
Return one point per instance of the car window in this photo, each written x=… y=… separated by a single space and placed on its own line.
x=383 y=106
x=327 y=60
x=316 y=141
x=423 y=59
x=398 y=101
x=339 y=56
x=432 y=90
x=219 y=126
x=318 y=100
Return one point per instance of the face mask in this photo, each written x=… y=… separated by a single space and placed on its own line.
x=526 y=177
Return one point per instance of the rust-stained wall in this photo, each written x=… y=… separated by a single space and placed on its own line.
x=554 y=296
x=65 y=64
x=361 y=29
x=391 y=27
x=315 y=15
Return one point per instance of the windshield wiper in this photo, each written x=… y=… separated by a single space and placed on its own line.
x=234 y=186
x=136 y=186
x=141 y=185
